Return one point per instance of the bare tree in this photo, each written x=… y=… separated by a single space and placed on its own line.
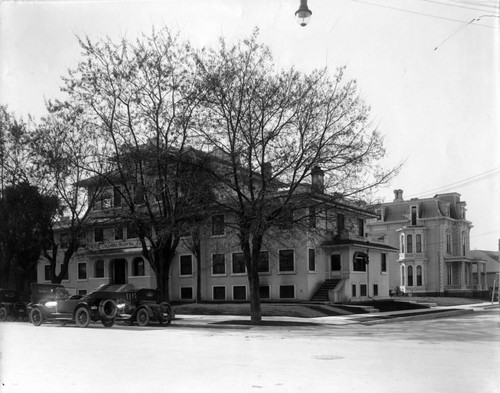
x=273 y=127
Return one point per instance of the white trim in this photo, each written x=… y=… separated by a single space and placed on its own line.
x=180 y=266
x=212 y=274
x=294 y=271
x=232 y=265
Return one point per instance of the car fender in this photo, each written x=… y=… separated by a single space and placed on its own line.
x=82 y=304
x=147 y=308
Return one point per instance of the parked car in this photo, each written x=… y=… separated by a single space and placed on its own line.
x=12 y=305
x=143 y=306
x=56 y=303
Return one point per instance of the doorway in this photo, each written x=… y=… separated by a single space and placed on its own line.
x=119 y=272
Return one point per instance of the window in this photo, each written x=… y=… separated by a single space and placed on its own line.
x=64 y=239
x=361 y=227
x=360 y=261
x=448 y=243
x=99 y=268
x=312 y=260
x=218 y=264
x=287 y=292
x=131 y=230
x=218 y=225
x=82 y=292
x=186 y=265
x=239 y=292
x=263 y=262
x=82 y=271
x=409 y=244
x=264 y=292
x=379 y=213
x=402 y=243
x=353 y=289
x=375 y=289
x=286 y=262
x=47 y=273
x=340 y=222
x=413 y=215
x=138 y=267
x=418 y=243
x=117 y=197
x=464 y=243
x=419 y=275
x=98 y=234
x=219 y=293
x=186 y=293
x=106 y=200
x=312 y=217
x=449 y=274
x=362 y=290
x=410 y=276
x=118 y=232
x=286 y=221
x=402 y=275
x=335 y=264
x=383 y=263
x=238 y=263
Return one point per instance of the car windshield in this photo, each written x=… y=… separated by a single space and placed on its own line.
x=115 y=288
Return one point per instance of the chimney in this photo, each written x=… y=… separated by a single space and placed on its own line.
x=317 y=180
x=398 y=196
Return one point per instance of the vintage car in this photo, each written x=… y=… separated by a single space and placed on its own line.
x=63 y=305
x=12 y=305
x=143 y=306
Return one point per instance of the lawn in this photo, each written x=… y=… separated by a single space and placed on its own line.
x=312 y=310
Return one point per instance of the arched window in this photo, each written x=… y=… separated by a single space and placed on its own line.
x=418 y=243
x=419 y=276
x=138 y=267
x=99 y=268
x=360 y=261
x=402 y=243
x=402 y=275
x=410 y=276
x=409 y=244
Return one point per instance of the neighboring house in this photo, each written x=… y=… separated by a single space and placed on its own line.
x=492 y=265
x=329 y=257
x=432 y=235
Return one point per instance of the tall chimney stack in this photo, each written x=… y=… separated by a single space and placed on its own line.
x=317 y=180
x=398 y=196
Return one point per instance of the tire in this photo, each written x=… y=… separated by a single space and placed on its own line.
x=108 y=322
x=3 y=314
x=107 y=309
x=166 y=314
x=82 y=317
x=142 y=317
x=36 y=317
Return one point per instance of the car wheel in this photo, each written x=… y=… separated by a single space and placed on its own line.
x=107 y=308
x=108 y=322
x=142 y=317
x=82 y=317
x=36 y=317
x=166 y=314
x=3 y=314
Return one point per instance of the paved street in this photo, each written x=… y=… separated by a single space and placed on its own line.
x=459 y=353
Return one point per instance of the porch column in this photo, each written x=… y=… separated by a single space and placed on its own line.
x=462 y=275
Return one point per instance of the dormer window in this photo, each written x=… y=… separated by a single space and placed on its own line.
x=414 y=214
x=380 y=214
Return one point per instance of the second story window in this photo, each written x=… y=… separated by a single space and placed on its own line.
x=418 y=243
x=312 y=217
x=340 y=222
x=218 y=225
x=448 y=243
x=118 y=232
x=383 y=263
x=402 y=243
x=414 y=215
x=263 y=262
x=98 y=234
x=361 y=227
x=117 y=197
x=409 y=244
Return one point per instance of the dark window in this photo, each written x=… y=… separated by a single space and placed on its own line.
x=47 y=273
x=138 y=267
x=375 y=289
x=353 y=290
x=335 y=264
x=218 y=264
x=118 y=232
x=186 y=262
x=312 y=260
x=402 y=243
x=402 y=275
x=362 y=290
x=360 y=261
x=287 y=292
x=413 y=215
x=383 y=263
x=186 y=293
x=312 y=217
x=264 y=292
x=99 y=268
x=131 y=230
x=239 y=292
x=98 y=234
x=218 y=224
x=219 y=293
x=448 y=243
x=418 y=243
x=82 y=292
x=361 y=227
x=286 y=221
x=340 y=222
x=409 y=244
x=419 y=275
x=286 y=263
x=238 y=263
x=410 y=276
x=263 y=262
x=82 y=271
x=117 y=197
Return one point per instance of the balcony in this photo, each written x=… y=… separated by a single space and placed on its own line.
x=411 y=256
x=114 y=244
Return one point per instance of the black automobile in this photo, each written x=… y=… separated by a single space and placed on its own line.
x=12 y=306
x=60 y=304
x=142 y=307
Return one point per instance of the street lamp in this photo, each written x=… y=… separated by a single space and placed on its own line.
x=303 y=14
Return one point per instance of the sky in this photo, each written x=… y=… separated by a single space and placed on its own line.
x=429 y=70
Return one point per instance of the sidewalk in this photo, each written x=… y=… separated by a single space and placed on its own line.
x=243 y=322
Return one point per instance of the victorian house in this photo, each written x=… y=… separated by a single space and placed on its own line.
x=432 y=236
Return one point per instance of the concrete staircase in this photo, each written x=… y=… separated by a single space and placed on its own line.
x=321 y=294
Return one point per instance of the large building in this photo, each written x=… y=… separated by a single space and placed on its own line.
x=329 y=258
x=432 y=236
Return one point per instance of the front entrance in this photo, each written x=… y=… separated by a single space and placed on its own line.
x=119 y=271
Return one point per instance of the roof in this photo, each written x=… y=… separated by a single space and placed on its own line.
x=491 y=258
x=358 y=243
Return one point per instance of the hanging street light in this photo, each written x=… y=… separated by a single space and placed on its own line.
x=303 y=14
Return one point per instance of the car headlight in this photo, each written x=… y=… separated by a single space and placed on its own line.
x=51 y=304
